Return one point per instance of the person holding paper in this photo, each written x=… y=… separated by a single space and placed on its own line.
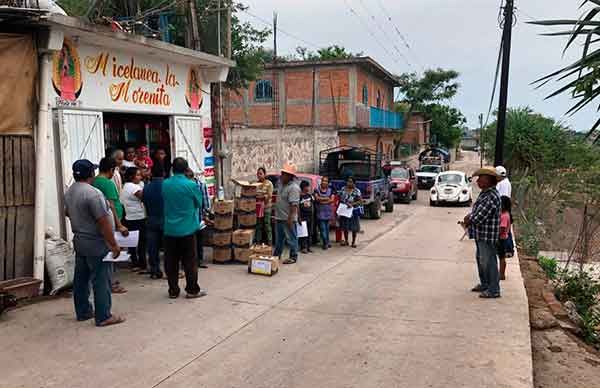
x=92 y=223
x=324 y=200
x=306 y=215
x=104 y=182
x=135 y=217
x=351 y=197
x=286 y=214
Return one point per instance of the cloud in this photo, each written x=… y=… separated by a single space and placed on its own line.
x=459 y=34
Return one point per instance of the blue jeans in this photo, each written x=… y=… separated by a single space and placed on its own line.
x=286 y=235
x=154 y=238
x=487 y=265
x=91 y=269
x=324 y=229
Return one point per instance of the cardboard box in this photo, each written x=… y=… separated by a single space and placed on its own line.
x=247 y=220
x=243 y=237
x=247 y=189
x=242 y=254
x=221 y=255
x=223 y=207
x=261 y=250
x=223 y=222
x=246 y=204
x=263 y=265
x=221 y=239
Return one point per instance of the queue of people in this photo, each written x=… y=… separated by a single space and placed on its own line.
x=133 y=192
x=298 y=206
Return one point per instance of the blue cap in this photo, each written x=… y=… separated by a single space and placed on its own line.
x=83 y=169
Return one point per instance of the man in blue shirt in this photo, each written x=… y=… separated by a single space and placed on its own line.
x=182 y=203
x=153 y=202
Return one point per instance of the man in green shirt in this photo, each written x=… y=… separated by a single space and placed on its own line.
x=182 y=203
x=105 y=184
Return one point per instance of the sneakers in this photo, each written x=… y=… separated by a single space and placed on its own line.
x=478 y=288
x=199 y=294
x=489 y=295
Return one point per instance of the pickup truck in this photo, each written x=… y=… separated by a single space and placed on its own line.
x=365 y=166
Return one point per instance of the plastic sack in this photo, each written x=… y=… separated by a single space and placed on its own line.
x=60 y=263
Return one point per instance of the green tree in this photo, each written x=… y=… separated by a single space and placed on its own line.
x=434 y=86
x=446 y=124
x=581 y=78
x=324 y=54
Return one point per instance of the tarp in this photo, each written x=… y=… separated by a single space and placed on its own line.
x=18 y=73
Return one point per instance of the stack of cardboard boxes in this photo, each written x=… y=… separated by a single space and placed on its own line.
x=246 y=205
x=223 y=227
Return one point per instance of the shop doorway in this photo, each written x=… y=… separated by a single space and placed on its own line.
x=123 y=130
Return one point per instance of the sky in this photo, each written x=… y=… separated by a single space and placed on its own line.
x=452 y=34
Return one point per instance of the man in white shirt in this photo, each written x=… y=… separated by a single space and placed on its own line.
x=504 y=187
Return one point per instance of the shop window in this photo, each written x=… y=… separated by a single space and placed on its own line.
x=365 y=95
x=263 y=91
x=379 y=102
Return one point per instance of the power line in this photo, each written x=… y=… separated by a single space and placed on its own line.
x=366 y=26
x=384 y=32
x=387 y=16
x=293 y=36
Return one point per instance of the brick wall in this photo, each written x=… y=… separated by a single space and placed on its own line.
x=383 y=141
x=416 y=130
x=373 y=85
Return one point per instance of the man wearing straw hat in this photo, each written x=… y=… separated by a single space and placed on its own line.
x=484 y=226
x=286 y=214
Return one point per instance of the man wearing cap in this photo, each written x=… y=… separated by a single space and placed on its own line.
x=504 y=187
x=93 y=229
x=286 y=214
x=484 y=227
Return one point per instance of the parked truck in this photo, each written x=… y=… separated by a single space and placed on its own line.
x=365 y=166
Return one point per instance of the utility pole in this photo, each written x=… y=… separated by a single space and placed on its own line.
x=194 y=22
x=506 y=42
x=228 y=34
x=219 y=49
x=274 y=37
x=481 y=142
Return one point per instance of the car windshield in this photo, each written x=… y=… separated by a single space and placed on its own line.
x=435 y=169
x=454 y=179
x=400 y=173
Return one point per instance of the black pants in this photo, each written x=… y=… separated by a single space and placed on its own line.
x=306 y=242
x=138 y=255
x=181 y=250
x=200 y=245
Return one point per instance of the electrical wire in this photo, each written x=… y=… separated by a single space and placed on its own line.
x=386 y=15
x=293 y=36
x=373 y=35
x=378 y=25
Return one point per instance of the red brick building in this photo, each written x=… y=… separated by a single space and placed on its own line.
x=354 y=96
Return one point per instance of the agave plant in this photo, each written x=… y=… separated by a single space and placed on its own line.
x=582 y=77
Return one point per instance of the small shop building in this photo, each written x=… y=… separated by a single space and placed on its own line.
x=100 y=90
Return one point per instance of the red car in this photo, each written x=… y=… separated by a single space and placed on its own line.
x=404 y=184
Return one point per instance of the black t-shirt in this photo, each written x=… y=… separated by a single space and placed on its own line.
x=306 y=206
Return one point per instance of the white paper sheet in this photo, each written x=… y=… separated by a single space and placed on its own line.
x=344 y=211
x=123 y=257
x=302 y=229
x=131 y=241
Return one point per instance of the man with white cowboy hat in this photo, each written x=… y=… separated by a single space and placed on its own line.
x=484 y=226
x=504 y=187
x=286 y=214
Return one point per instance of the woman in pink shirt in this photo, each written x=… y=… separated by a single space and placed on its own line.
x=505 y=245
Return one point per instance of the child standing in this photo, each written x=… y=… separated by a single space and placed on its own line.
x=135 y=216
x=505 y=245
x=306 y=215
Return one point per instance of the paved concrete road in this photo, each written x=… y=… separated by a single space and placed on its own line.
x=397 y=312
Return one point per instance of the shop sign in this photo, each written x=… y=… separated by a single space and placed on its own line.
x=100 y=78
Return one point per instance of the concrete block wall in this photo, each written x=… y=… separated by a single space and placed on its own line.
x=271 y=148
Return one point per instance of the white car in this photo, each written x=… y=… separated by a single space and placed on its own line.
x=451 y=187
x=426 y=175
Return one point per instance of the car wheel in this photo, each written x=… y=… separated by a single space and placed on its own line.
x=432 y=203
x=375 y=210
x=414 y=196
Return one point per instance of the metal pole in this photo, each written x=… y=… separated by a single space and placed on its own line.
x=481 y=142
x=506 y=36
x=228 y=35
x=219 y=50
x=195 y=30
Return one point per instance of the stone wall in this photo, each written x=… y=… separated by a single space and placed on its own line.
x=251 y=148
